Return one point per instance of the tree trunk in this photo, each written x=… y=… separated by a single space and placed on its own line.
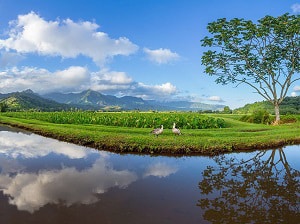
x=277 y=114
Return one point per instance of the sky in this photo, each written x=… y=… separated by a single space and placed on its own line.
x=144 y=48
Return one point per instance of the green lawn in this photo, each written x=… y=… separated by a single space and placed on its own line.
x=236 y=136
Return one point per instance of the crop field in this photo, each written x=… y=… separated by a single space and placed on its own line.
x=131 y=131
x=126 y=119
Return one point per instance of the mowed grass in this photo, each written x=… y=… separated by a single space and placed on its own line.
x=236 y=135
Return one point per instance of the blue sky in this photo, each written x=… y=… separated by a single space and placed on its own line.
x=144 y=48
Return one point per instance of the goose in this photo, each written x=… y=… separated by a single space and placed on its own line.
x=158 y=131
x=176 y=131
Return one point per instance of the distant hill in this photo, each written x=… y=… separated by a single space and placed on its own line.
x=290 y=105
x=92 y=100
x=188 y=106
x=95 y=100
x=28 y=100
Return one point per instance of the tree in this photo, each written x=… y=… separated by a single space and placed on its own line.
x=227 y=110
x=3 y=107
x=263 y=55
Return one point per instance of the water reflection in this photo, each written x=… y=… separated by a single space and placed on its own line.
x=30 y=191
x=262 y=188
x=46 y=181
x=160 y=170
x=17 y=144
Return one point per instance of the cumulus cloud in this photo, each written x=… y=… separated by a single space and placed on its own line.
x=161 y=56
x=296 y=8
x=41 y=80
x=160 y=170
x=76 y=78
x=158 y=92
x=65 y=38
x=215 y=99
x=110 y=81
x=31 y=191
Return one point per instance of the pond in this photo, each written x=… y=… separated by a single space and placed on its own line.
x=43 y=180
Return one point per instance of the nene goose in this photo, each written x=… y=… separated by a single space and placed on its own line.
x=176 y=131
x=158 y=131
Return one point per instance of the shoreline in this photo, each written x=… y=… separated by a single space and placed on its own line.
x=113 y=144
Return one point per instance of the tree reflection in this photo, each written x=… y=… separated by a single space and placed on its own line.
x=261 y=189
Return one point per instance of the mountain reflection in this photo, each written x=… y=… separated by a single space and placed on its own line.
x=263 y=188
x=30 y=191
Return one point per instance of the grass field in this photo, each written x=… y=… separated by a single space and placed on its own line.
x=216 y=134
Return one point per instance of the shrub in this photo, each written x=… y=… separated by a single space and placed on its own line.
x=258 y=117
x=288 y=119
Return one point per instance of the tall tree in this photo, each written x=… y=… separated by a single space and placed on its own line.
x=264 y=55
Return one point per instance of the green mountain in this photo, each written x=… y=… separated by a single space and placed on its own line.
x=93 y=100
x=28 y=100
x=90 y=99
x=290 y=105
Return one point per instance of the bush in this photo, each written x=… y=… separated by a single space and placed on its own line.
x=288 y=119
x=258 y=117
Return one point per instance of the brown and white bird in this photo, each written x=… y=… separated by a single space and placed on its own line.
x=175 y=130
x=158 y=131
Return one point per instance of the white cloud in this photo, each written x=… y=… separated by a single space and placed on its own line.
x=106 y=80
x=76 y=78
x=293 y=94
x=160 y=170
x=157 y=92
x=32 y=34
x=297 y=88
x=215 y=98
x=31 y=191
x=296 y=8
x=41 y=80
x=161 y=56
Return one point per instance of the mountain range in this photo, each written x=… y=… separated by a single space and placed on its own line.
x=93 y=100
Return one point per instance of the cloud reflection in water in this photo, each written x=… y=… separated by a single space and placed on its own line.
x=31 y=146
x=30 y=191
x=160 y=170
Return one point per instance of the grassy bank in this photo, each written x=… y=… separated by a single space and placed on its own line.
x=235 y=136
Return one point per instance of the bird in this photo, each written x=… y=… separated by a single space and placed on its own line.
x=175 y=130
x=158 y=131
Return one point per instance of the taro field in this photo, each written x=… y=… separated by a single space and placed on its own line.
x=185 y=120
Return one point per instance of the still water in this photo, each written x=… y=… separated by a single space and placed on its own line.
x=46 y=181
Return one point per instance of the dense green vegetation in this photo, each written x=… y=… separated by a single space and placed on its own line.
x=126 y=119
x=236 y=136
x=290 y=105
x=27 y=100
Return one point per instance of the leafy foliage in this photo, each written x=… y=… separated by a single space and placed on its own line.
x=265 y=56
x=258 y=117
x=290 y=105
x=127 y=119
